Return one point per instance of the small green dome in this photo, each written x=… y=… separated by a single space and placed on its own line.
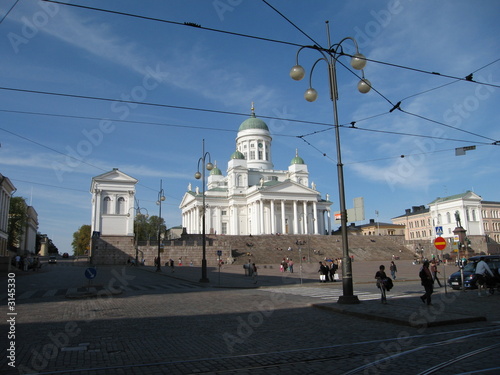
x=297 y=159
x=237 y=155
x=215 y=171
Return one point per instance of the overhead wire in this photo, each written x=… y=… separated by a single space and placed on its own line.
x=8 y=12
x=397 y=106
x=194 y=25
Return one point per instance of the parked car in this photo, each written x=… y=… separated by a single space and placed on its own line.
x=470 y=279
x=52 y=259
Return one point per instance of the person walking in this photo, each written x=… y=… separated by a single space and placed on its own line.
x=482 y=272
x=427 y=282
x=254 y=273
x=381 y=276
x=323 y=272
x=434 y=272
x=393 y=270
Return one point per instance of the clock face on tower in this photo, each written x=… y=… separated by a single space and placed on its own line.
x=260 y=145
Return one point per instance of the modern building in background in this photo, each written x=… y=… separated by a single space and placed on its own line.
x=254 y=198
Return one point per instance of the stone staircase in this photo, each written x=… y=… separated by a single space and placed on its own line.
x=271 y=249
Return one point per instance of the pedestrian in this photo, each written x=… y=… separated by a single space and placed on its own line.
x=180 y=261
x=323 y=272
x=254 y=273
x=427 y=282
x=290 y=265
x=434 y=273
x=393 y=270
x=332 y=271
x=482 y=272
x=381 y=276
x=171 y=264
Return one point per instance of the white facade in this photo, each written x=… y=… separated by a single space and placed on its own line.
x=113 y=203
x=6 y=190
x=468 y=206
x=254 y=198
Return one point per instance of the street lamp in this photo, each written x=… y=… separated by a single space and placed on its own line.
x=358 y=62
x=138 y=215
x=208 y=166
x=161 y=198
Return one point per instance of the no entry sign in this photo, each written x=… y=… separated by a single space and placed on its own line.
x=440 y=243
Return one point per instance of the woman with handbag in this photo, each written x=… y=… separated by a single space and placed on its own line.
x=381 y=276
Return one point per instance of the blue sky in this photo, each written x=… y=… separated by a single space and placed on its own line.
x=80 y=53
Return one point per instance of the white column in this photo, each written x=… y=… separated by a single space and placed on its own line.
x=262 y=221
x=304 y=208
x=315 y=215
x=235 y=230
x=295 y=221
x=98 y=213
x=273 y=218
x=283 y=218
x=329 y=222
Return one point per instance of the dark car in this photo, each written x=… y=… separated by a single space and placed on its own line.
x=52 y=259
x=65 y=255
x=470 y=279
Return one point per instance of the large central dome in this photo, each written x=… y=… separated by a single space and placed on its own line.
x=253 y=123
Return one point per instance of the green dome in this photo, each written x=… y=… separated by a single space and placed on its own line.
x=253 y=123
x=215 y=171
x=237 y=155
x=297 y=159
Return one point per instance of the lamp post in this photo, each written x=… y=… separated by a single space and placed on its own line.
x=161 y=198
x=358 y=61
x=208 y=166
x=138 y=214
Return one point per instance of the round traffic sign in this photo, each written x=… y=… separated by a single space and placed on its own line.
x=90 y=273
x=440 y=243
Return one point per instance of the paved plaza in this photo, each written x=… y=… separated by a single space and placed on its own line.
x=134 y=320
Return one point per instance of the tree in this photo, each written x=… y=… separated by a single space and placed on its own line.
x=81 y=240
x=146 y=228
x=17 y=221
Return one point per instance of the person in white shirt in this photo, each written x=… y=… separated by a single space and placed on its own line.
x=481 y=269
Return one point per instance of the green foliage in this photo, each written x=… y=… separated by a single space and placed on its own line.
x=81 y=240
x=17 y=221
x=146 y=228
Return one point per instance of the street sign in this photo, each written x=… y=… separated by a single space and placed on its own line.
x=439 y=231
x=219 y=253
x=440 y=243
x=90 y=273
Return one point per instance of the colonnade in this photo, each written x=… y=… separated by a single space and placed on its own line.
x=263 y=216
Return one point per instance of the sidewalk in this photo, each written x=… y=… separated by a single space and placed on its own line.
x=453 y=307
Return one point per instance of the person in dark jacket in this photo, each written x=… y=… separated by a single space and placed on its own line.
x=381 y=276
x=427 y=282
x=323 y=272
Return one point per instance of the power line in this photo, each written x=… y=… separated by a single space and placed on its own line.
x=156 y=105
x=6 y=14
x=191 y=24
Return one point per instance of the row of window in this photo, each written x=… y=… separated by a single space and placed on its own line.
x=494 y=214
x=119 y=209
x=495 y=227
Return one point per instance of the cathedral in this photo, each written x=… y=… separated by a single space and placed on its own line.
x=254 y=198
